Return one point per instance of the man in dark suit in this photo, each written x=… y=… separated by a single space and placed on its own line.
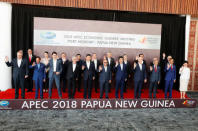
x=96 y=65
x=20 y=72
x=39 y=76
x=89 y=75
x=142 y=56
x=128 y=68
x=170 y=77
x=80 y=63
x=111 y=63
x=139 y=77
x=55 y=68
x=30 y=58
x=105 y=78
x=72 y=76
x=154 y=78
x=121 y=76
x=163 y=64
x=64 y=63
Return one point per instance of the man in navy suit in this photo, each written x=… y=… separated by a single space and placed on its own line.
x=72 y=76
x=80 y=63
x=139 y=77
x=54 y=74
x=89 y=75
x=170 y=77
x=128 y=65
x=111 y=63
x=20 y=72
x=121 y=76
x=39 y=76
x=96 y=64
x=105 y=78
x=154 y=78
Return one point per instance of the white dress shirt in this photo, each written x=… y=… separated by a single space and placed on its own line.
x=140 y=65
x=74 y=67
x=109 y=60
x=95 y=63
x=105 y=67
x=121 y=66
x=54 y=65
x=19 y=62
x=88 y=64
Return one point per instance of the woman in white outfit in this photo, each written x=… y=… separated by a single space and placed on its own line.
x=184 y=79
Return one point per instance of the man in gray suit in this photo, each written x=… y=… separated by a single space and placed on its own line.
x=105 y=78
x=154 y=78
x=54 y=73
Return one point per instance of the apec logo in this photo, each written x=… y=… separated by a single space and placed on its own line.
x=4 y=103
x=48 y=35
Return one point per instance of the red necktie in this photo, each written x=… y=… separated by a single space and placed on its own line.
x=29 y=58
x=155 y=69
x=171 y=67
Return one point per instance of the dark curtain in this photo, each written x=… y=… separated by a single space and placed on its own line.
x=172 y=37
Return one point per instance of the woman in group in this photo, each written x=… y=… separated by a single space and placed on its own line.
x=45 y=61
x=184 y=79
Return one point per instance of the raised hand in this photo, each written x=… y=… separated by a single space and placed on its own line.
x=6 y=59
x=168 y=66
x=135 y=65
x=151 y=68
x=33 y=64
x=164 y=55
x=136 y=58
x=116 y=63
x=83 y=67
x=100 y=68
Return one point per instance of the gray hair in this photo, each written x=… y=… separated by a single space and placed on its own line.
x=73 y=57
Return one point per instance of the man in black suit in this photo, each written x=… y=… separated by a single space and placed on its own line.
x=96 y=65
x=64 y=63
x=142 y=56
x=79 y=62
x=89 y=75
x=20 y=72
x=30 y=58
x=105 y=78
x=111 y=63
x=128 y=69
x=72 y=76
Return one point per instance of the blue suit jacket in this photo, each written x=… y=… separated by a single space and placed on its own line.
x=39 y=73
x=121 y=74
x=58 y=67
x=155 y=76
x=105 y=76
x=170 y=73
x=138 y=74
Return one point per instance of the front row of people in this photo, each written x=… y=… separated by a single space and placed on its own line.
x=21 y=68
